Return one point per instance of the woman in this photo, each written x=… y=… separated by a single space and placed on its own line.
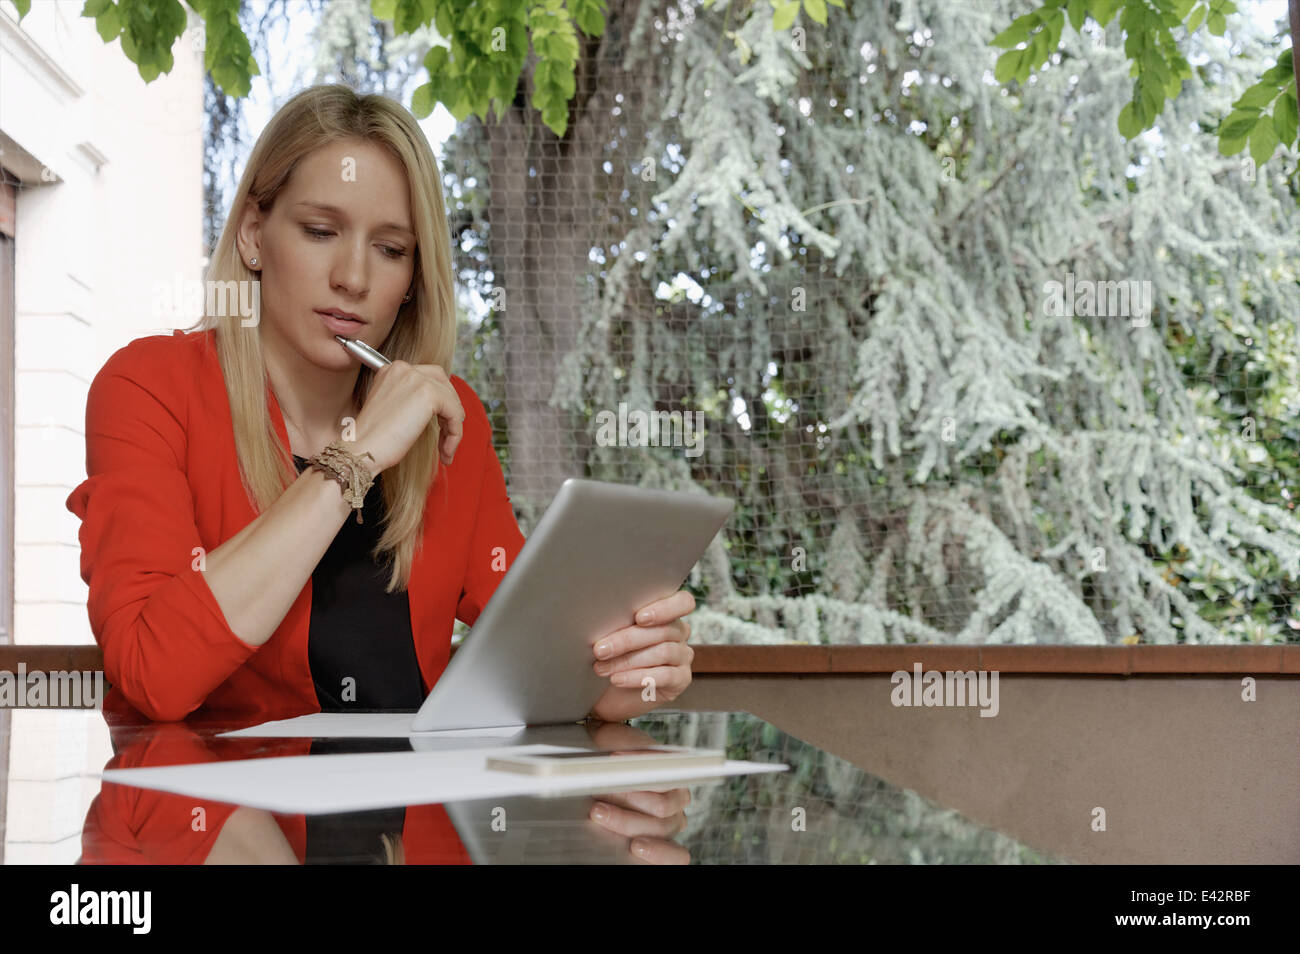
x=219 y=579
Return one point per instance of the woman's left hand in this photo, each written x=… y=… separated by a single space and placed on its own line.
x=653 y=649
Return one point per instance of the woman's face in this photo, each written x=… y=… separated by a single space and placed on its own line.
x=338 y=237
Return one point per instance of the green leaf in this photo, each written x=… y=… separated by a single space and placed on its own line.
x=23 y=7
x=1218 y=23
x=1026 y=65
x=1078 y=11
x=1257 y=97
x=383 y=9
x=410 y=15
x=1145 y=116
x=1129 y=125
x=1262 y=142
x=1153 y=64
x=1197 y=18
x=1017 y=33
x=95 y=8
x=557 y=120
x=785 y=14
x=1007 y=66
x=1238 y=125
x=422 y=101
x=1230 y=147
x=816 y=9
x=1055 y=24
x=1039 y=50
x=586 y=13
x=1103 y=11
x=1285 y=119
x=149 y=70
x=1152 y=94
x=109 y=25
x=442 y=22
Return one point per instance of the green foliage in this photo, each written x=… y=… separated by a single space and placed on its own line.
x=479 y=68
x=1250 y=391
x=1158 y=66
x=1248 y=123
x=785 y=11
x=147 y=28
x=226 y=53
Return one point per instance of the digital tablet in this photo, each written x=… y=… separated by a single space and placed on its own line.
x=600 y=552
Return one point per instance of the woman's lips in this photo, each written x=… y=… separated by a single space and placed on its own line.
x=341 y=326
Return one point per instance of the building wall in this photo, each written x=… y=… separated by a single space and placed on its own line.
x=110 y=207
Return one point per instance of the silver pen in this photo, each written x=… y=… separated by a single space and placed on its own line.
x=363 y=352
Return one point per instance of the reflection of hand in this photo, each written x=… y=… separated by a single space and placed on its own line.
x=650 y=819
x=608 y=736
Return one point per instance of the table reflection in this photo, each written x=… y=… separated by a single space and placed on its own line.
x=128 y=825
x=824 y=810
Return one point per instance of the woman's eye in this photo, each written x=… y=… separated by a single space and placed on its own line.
x=390 y=252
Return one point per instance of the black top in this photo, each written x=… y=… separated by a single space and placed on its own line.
x=359 y=645
x=354 y=838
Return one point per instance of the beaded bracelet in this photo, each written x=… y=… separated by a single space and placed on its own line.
x=341 y=465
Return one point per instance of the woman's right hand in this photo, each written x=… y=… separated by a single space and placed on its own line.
x=402 y=401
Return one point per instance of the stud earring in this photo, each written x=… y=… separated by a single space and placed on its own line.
x=252 y=263
x=407 y=298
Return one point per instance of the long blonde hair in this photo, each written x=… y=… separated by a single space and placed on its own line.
x=424 y=332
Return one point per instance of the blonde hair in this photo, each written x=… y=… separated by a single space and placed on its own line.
x=425 y=329
x=394 y=849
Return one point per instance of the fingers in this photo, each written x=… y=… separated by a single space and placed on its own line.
x=453 y=430
x=651 y=823
x=657 y=804
x=451 y=413
x=633 y=823
x=669 y=681
x=649 y=819
x=669 y=608
x=447 y=407
x=626 y=640
x=655 y=851
x=666 y=652
x=618 y=735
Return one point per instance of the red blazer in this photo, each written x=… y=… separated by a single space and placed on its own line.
x=163 y=480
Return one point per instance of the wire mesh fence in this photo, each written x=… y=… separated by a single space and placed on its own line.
x=974 y=367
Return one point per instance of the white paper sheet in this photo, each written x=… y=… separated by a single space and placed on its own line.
x=361 y=725
x=322 y=784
